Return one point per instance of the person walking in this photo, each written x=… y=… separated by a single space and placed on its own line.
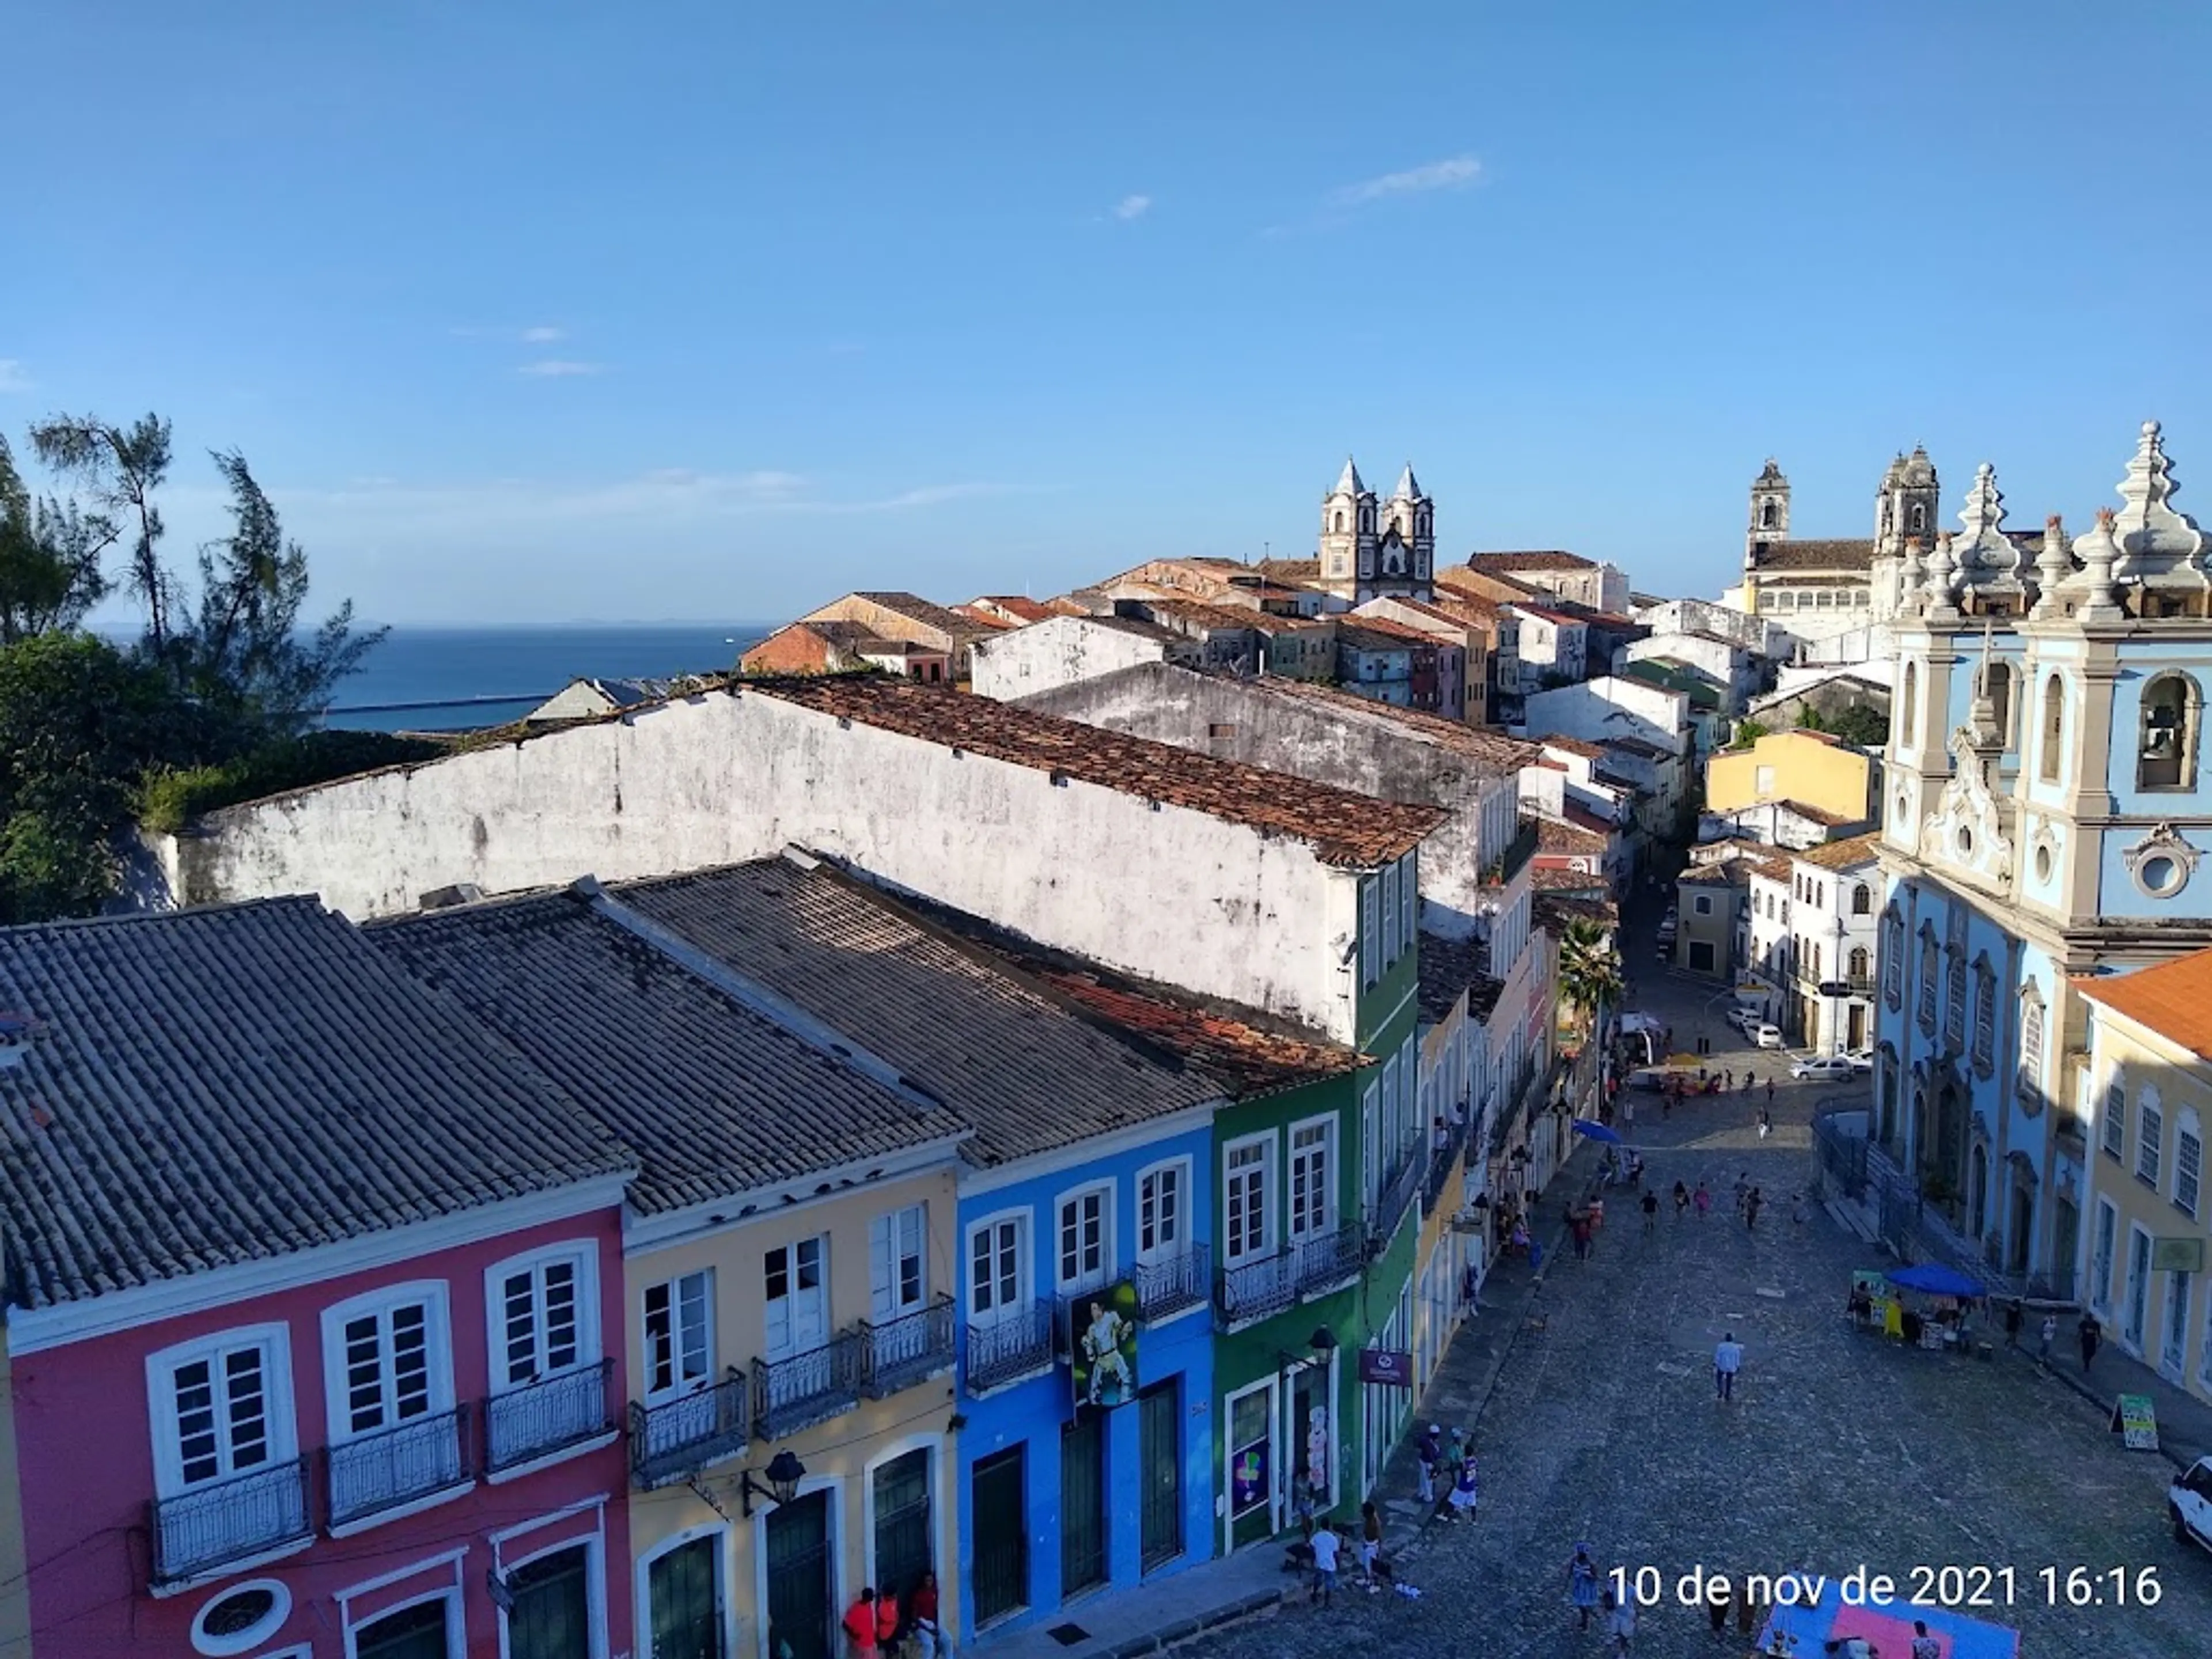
x=1467 y=1495
x=2013 y=1313
x=1326 y=1544
x=1751 y=1210
x=859 y=1622
x=1651 y=1213
x=1766 y=1121
x=1681 y=1200
x=1370 y=1541
x=2091 y=1333
x=1581 y=1586
x=1426 y=1451
x=1728 y=1079
x=1924 y=1646
x=1716 y=1607
x=2050 y=1335
x=1742 y=1190
x=1705 y=1201
x=1620 y=1621
x=1728 y=1360
x=1770 y=1092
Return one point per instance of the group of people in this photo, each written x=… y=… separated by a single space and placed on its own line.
x=877 y=1628
x=1448 y=1472
x=2089 y=1333
x=1325 y=1541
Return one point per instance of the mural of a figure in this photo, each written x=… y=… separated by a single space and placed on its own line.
x=1317 y=1451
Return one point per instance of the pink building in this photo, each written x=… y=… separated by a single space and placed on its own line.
x=313 y=1308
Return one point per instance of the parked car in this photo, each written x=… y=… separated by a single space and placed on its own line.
x=1823 y=1068
x=2188 y=1503
x=1862 y=1060
x=1766 y=1035
x=1744 y=1020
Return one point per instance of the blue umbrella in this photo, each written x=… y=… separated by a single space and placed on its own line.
x=1936 y=1280
x=1595 y=1131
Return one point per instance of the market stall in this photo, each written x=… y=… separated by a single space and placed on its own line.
x=1929 y=1306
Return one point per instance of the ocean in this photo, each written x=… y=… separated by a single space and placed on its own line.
x=449 y=679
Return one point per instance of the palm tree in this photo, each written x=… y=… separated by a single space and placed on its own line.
x=1590 y=969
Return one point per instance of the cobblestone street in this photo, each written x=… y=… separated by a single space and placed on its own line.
x=1840 y=1449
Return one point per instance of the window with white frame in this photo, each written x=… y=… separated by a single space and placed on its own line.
x=2029 y=1081
x=221 y=1407
x=998 y=1257
x=1160 y=1218
x=1247 y=1229
x=541 y=1317
x=2150 y=1131
x=2115 y=1126
x=1986 y=1018
x=1086 y=1251
x=1313 y=1209
x=1893 y=960
x=1390 y=941
x=2100 y=1262
x=1409 y=901
x=898 y=1262
x=1929 y=963
x=679 y=1334
x=2187 y=1164
x=1954 y=1004
x=389 y=1360
x=1385 y=1140
x=1370 y=932
x=1413 y=1114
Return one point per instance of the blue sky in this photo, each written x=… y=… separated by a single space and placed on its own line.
x=541 y=312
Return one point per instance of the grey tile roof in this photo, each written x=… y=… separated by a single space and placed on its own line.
x=235 y=1084
x=1017 y=1064
x=714 y=1094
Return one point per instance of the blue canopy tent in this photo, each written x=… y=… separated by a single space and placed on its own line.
x=1595 y=1130
x=1933 y=1278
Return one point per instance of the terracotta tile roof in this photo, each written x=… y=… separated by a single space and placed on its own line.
x=1847 y=555
x=2173 y=998
x=983 y=618
x=233 y=1084
x=1554 y=911
x=1448 y=969
x=1845 y=853
x=1201 y=615
x=1550 y=614
x=1350 y=830
x=1381 y=634
x=1423 y=608
x=1547 y=879
x=1826 y=819
x=1015 y=604
x=1007 y=1056
x=1569 y=839
x=1724 y=872
x=1638 y=746
x=1491 y=749
x=1588 y=818
x=1063 y=606
x=1139 y=627
x=1773 y=869
x=715 y=1095
x=1296 y=571
x=1480 y=607
x=1573 y=746
x=1504 y=564
x=915 y=608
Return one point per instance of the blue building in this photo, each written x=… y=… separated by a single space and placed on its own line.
x=2045 y=813
x=1085 y=1206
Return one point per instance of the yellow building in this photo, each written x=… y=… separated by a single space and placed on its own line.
x=1810 y=769
x=787 y=1260
x=2147 y=1097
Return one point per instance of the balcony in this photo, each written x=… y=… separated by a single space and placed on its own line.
x=678 y=1437
x=901 y=1352
x=229 y=1523
x=1330 y=1261
x=1518 y=852
x=395 y=1468
x=1010 y=1350
x=1252 y=1289
x=796 y=1393
x=548 y=1416
x=1172 y=1284
x=1398 y=1196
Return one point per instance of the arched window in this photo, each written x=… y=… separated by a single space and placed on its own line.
x=1862 y=900
x=2165 y=753
x=1367 y=519
x=1919 y=517
x=1767 y=516
x=2054 y=728
x=1860 y=974
x=1997 y=686
x=1909 y=704
x=1337 y=525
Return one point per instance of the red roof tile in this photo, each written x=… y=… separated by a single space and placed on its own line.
x=1350 y=830
x=1504 y=564
x=2173 y=998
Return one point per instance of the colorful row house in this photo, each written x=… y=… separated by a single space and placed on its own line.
x=313 y=1296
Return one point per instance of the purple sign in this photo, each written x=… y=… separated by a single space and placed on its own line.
x=1391 y=1367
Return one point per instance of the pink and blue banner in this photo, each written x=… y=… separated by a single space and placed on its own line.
x=1887 y=1629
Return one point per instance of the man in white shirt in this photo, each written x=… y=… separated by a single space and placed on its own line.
x=1324 y=1545
x=1924 y=1646
x=1728 y=1360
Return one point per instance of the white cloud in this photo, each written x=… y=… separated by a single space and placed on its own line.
x=543 y=334
x=13 y=377
x=1132 y=207
x=556 y=368
x=1453 y=173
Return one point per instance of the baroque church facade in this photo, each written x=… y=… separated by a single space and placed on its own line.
x=2046 y=817
x=1820 y=590
x=1372 y=549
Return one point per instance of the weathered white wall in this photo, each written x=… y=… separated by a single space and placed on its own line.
x=1162 y=892
x=1608 y=707
x=1063 y=651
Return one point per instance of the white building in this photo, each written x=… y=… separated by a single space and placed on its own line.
x=1062 y=650
x=1816 y=919
x=1370 y=548
x=1590 y=582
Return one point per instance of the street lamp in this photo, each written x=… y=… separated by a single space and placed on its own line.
x=1324 y=1344
x=784 y=1472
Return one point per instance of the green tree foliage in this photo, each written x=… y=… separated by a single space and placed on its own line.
x=1589 y=969
x=210 y=702
x=1746 y=732
x=1863 y=725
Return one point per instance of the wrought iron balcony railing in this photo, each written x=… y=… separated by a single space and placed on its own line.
x=1329 y=1260
x=906 y=1351
x=225 y=1522
x=547 y=1416
x=1172 y=1284
x=674 y=1439
x=1009 y=1349
x=1255 y=1288
x=805 y=1389
x=1398 y=1195
x=1518 y=852
x=393 y=1467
